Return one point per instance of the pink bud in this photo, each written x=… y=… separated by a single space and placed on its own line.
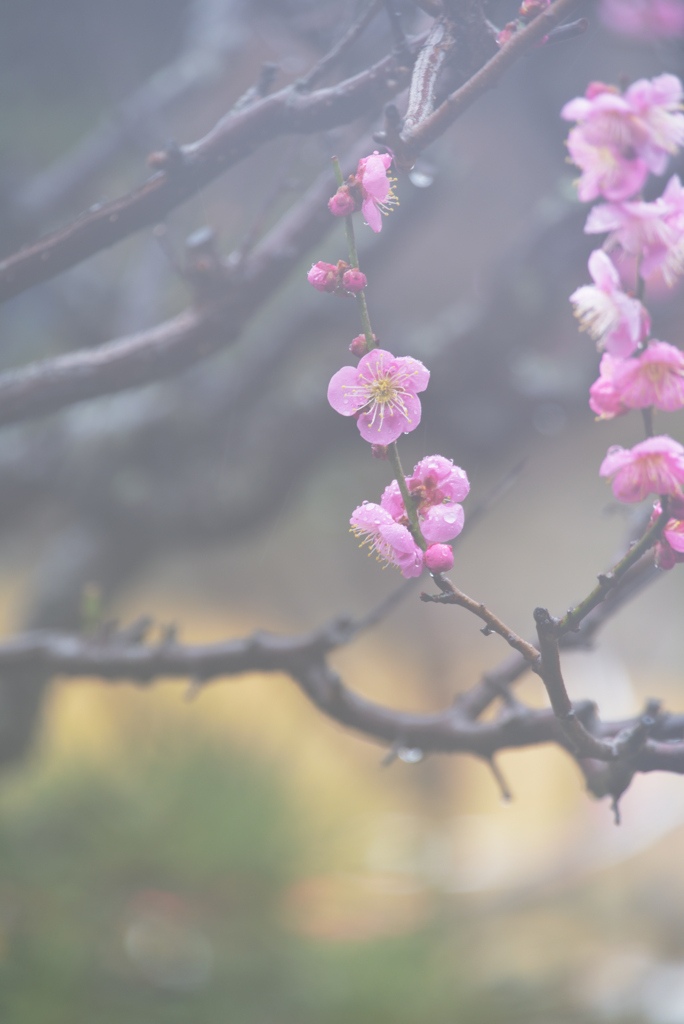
x=439 y=558
x=342 y=203
x=323 y=276
x=507 y=33
x=359 y=346
x=379 y=451
x=354 y=280
x=531 y=8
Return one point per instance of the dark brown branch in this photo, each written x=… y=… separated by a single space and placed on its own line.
x=187 y=169
x=450 y=595
x=168 y=348
x=486 y=78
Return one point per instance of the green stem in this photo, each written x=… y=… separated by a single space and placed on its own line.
x=647 y=415
x=393 y=455
x=354 y=262
x=608 y=580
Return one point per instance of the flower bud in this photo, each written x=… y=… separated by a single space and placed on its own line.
x=439 y=558
x=354 y=281
x=359 y=345
x=531 y=8
x=379 y=451
x=507 y=33
x=323 y=276
x=342 y=203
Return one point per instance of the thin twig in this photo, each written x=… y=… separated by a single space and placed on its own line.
x=355 y=30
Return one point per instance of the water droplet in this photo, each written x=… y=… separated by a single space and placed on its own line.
x=421 y=179
x=410 y=755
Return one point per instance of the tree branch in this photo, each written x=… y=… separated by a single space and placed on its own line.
x=187 y=169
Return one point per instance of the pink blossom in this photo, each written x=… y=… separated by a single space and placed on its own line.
x=353 y=280
x=603 y=397
x=620 y=138
x=654 y=232
x=670 y=548
x=391 y=541
x=376 y=187
x=644 y=19
x=435 y=488
x=439 y=558
x=323 y=276
x=655 y=466
x=342 y=203
x=616 y=320
x=382 y=388
x=656 y=377
x=436 y=479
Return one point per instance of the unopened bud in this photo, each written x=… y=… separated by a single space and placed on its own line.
x=507 y=33
x=359 y=346
x=379 y=451
x=439 y=558
x=342 y=203
x=323 y=276
x=531 y=8
x=354 y=281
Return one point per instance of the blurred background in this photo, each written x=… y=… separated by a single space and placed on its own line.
x=240 y=857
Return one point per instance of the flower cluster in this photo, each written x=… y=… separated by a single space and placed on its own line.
x=644 y=19
x=337 y=278
x=435 y=488
x=417 y=515
x=618 y=140
x=369 y=190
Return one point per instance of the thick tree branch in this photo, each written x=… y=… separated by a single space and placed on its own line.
x=187 y=169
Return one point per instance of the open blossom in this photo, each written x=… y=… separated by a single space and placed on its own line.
x=644 y=19
x=656 y=377
x=670 y=548
x=369 y=188
x=620 y=138
x=391 y=541
x=604 y=399
x=614 y=319
x=654 y=232
x=383 y=389
x=436 y=486
x=655 y=466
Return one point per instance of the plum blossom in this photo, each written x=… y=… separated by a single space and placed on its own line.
x=644 y=19
x=655 y=466
x=391 y=541
x=376 y=188
x=656 y=377
x=620 y=138
x=369 y=188
x=614 y=319
x=654 y=232
x=382 y=389
x=436 y=486
x=604 y=399
x=670 y=548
